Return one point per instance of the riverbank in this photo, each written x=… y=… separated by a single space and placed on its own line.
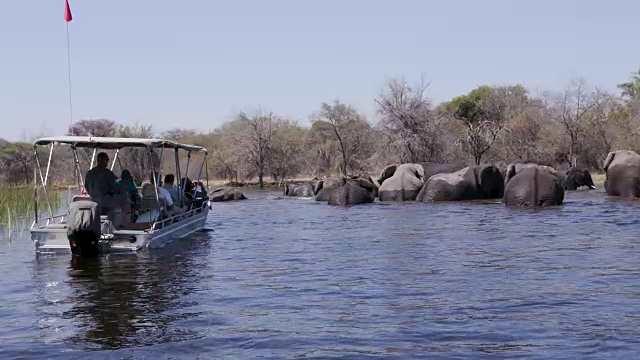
x=598 y=179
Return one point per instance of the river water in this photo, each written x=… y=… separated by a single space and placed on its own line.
x=293 y=278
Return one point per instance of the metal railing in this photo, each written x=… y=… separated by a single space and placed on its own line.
x=185 y=215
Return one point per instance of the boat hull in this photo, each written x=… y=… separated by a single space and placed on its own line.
x=52 y=238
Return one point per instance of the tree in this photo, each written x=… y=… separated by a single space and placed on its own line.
x=16 y=163
x=178 y=133
x=350 y=131
x=98 y=128
x=139 y=161
x=321 y=153
x=572 y=108
x=631 y=89
x=407 y=116
x=484 y=112
x=251 y=139
x=287 y=146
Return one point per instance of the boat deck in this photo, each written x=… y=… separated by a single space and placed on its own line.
x=52 y=237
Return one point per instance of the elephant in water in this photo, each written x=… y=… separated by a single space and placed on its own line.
x=299 y=189
x=532 y=185
x=574 y=178
x=226 y=194
x=622 y=168
x=469 y=183
x=325 y=187
x=400 y=182
x=347 y=191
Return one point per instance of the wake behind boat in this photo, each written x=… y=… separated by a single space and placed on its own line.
x=122 y=220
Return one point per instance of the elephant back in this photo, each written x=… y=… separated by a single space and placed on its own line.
x=448 y=186
x=626 y=158
x=404 y=185
x=326 y=187
x=433 y=168
x=532 y=186
x=349 y=193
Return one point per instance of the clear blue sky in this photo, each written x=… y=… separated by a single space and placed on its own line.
x=194 y=63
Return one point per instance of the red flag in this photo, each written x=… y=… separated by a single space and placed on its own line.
x=67 y=12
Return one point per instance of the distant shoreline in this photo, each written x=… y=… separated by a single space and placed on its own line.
x=598 y=180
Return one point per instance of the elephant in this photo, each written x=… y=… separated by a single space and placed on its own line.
x=352 y=192
x=299 y=189
x=433 y=168
x=469 y=183
x=622 y=168
x=573 y=178
x=226 y=194
x=520 y=166
x=325 y=187
x=400 y=182
x=532 y=185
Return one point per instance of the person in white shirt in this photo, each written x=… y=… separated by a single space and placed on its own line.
x=149 y=189
x=174 y=191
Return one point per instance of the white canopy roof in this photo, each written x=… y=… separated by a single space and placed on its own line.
x=115 y=143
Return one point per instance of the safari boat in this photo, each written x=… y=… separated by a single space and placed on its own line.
x=83 y=230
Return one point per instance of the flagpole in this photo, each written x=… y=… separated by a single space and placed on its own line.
x=67 y=18
x=69 y=74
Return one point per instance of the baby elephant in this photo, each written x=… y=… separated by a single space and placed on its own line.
x=532 y=185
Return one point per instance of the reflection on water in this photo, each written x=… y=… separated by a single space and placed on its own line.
x=295 y=278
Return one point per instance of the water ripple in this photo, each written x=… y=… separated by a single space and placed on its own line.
x=300 y=279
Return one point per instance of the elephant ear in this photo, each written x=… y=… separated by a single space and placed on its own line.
x=608 y=160
x=317 y=187
x=511 y=172
x=418 y=171
x=386 y=173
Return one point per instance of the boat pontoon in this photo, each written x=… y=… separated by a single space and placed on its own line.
x=83 y=229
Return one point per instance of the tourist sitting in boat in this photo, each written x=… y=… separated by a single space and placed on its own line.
x=127 y=186
x=174 y=191
x=100 y=184
x=149 y=192
x=187 y=184
x=200 y=194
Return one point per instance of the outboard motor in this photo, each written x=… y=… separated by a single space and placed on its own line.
x=83 y=228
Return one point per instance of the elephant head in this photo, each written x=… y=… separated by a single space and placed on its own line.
x=386 y=173
x=366 y=183
x=509 y=173
x=490 y=182
x=575 y=178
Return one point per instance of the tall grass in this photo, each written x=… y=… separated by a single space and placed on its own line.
x=16 y=204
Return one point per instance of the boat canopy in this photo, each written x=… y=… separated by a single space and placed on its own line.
x=116 y=143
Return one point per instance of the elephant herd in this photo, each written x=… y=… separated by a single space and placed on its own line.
x=517 y=185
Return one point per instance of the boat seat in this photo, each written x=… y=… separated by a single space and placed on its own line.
x=81 y=198
x=57 y=226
